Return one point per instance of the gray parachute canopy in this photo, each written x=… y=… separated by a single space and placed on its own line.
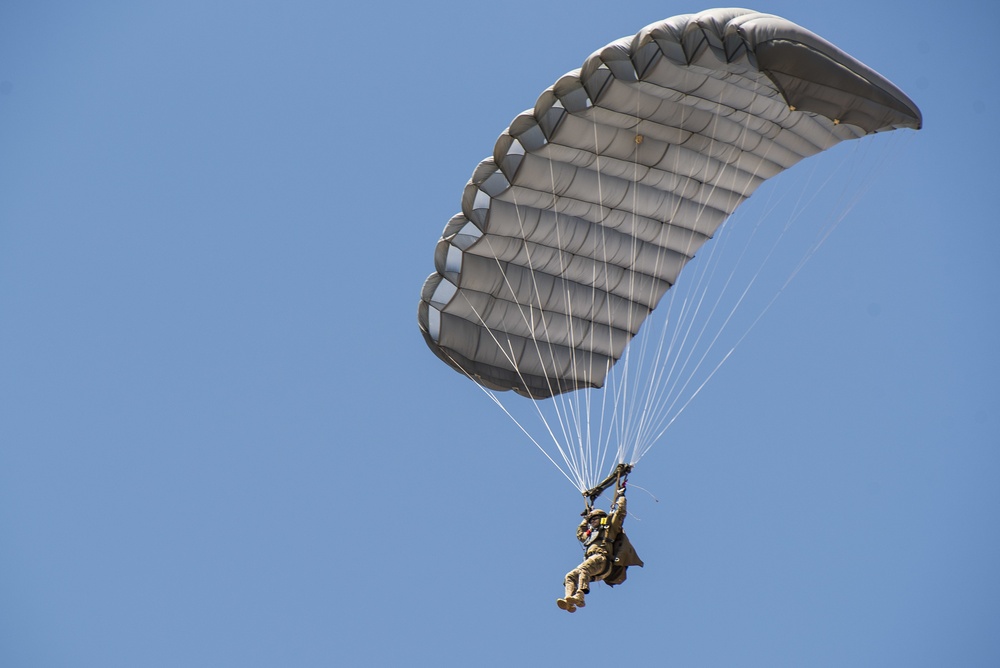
x=594 y=200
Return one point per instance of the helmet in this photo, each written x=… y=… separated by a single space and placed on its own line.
x=596 y=512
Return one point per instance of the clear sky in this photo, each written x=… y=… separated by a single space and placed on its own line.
x=223 y=441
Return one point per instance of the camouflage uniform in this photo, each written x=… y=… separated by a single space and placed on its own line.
x=597 y=562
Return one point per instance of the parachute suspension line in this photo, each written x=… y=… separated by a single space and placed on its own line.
x=683 y=377
x=653 y=388
x=567 y=412
x=529 y=319
x=623 y=387
x=741 y=338
x=571 y=406
x=672 y=406
x=575 y=479
x=579 y=407
x=659 y=398
x=603 y=445
x=851 y=192
x=535 y=293
x=631 y=429
x=641 y=417
x=729 y=353
x=512 y=358
x=620 y=381
x=651 y=380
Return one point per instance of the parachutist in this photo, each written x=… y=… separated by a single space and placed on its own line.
x=607 y=552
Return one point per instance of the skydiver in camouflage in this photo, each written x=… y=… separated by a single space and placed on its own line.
x=607 y=553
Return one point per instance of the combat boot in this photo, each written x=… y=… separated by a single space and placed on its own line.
x=566 y=604
x=576 y=600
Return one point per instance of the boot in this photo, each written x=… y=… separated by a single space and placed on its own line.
x=576 y=600
x=566 y=604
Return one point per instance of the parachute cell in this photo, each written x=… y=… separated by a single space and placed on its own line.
x=595 y=199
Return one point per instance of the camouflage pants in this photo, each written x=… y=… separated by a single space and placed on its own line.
x=593 y=567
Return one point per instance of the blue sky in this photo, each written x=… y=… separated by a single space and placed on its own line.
x=223 y=441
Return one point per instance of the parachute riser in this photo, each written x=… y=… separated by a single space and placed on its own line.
x=621 y=471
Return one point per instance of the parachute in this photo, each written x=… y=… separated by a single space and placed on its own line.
x=595 y=200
